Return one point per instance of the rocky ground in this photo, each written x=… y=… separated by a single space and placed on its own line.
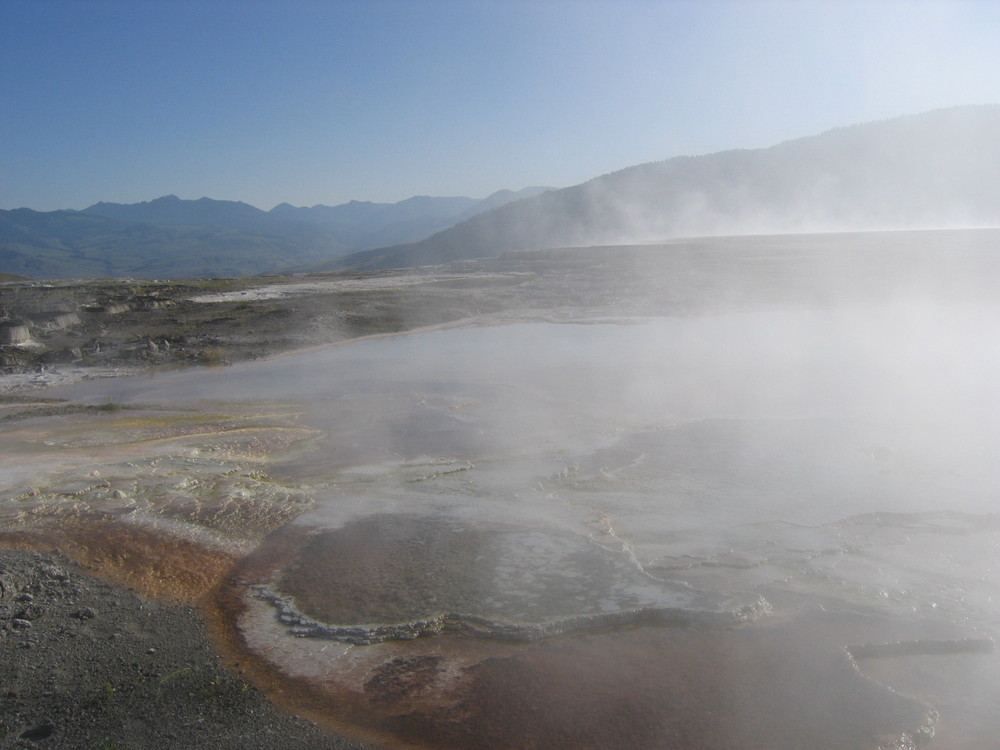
x=88 y=665
x=125 y=326
x=100 y=327
x=71 y=329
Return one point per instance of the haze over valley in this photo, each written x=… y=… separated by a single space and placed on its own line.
x=931 y=170
x=173 y=238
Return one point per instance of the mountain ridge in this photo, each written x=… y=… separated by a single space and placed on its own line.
x=170 y=237
x=937 y=169
x=933 y=169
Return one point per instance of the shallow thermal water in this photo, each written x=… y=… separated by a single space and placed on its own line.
x=525 y=482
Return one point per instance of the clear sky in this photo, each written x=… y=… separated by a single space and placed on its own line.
x=324 y=101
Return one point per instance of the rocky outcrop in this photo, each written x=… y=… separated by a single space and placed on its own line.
x=14 y=332
x=54 y=321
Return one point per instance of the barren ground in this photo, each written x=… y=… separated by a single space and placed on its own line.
x=89 y=664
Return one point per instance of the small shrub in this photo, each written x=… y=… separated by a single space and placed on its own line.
x=110 y=405
x=213 y=355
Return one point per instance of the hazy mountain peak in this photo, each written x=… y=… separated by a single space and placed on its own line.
x=935 y=169
x=170 y=236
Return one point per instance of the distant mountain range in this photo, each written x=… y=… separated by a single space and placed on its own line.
x=939 y=169
x=169 y=237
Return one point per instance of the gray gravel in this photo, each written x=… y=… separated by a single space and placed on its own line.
x=86 y=664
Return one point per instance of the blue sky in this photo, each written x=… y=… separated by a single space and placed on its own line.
x=323 y=102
